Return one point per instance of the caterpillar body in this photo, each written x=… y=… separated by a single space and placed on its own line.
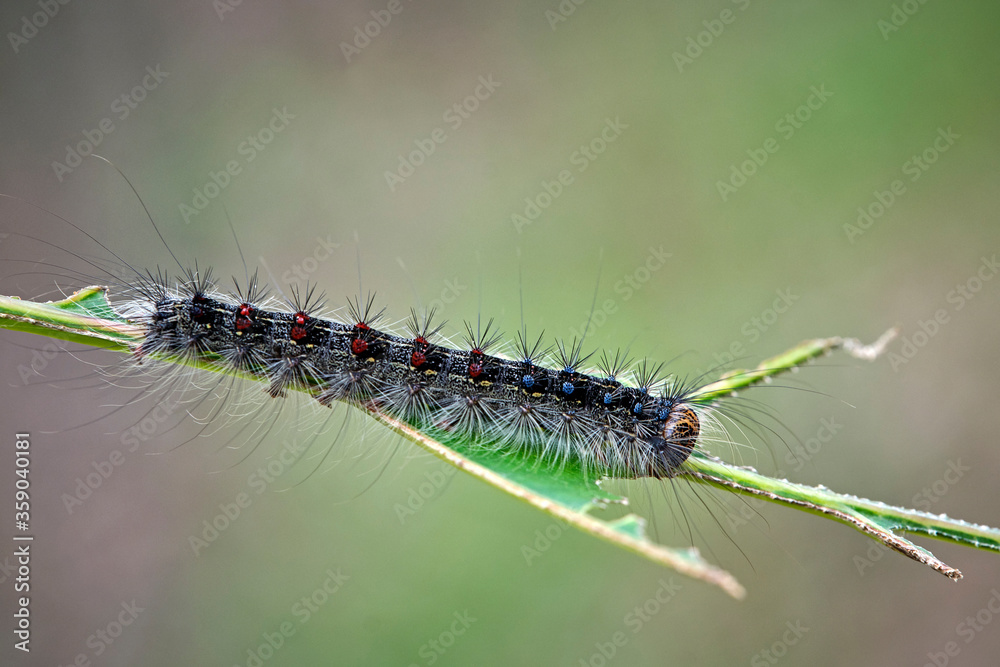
x=524 y=403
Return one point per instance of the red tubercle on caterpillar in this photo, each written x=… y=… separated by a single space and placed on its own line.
x=245 y=315
x=300 y=322
x=419 y=356
x=360 y=344
x=476 y=363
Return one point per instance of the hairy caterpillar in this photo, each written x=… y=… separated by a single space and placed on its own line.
x=620 y=420
x=559 y=413
x=535 y=403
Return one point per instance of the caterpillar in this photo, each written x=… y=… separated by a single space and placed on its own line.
x=558 y=412
x=617 y=420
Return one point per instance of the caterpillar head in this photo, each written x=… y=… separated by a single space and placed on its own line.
x=673 y=446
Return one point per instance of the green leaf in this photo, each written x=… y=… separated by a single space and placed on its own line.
x=85 y=317
x=567 y=493
x=875 y=519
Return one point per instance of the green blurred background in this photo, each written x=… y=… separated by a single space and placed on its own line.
x=683 y=126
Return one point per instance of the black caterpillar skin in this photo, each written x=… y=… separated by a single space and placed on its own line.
x=610 y=428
